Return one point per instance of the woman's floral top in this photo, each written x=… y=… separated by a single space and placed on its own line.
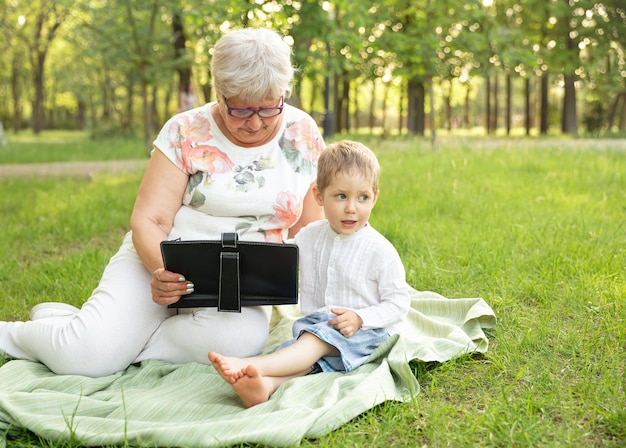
x=257 y=192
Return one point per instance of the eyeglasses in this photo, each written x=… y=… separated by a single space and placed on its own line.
x=262 y=112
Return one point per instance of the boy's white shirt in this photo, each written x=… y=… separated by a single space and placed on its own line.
x=361 y=272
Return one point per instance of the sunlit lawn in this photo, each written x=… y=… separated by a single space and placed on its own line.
x=535 y=227
x=63 y=146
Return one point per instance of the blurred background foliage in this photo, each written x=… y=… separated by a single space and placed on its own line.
x=526 y=67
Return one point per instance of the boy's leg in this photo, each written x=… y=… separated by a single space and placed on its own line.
x=296 y=359
x=256 y=378
x=255 y=389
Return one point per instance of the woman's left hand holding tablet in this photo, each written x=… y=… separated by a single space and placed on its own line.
x=168 y=287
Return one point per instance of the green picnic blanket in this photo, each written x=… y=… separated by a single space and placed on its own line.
x=162 y=404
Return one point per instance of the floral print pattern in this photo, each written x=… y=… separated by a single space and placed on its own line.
x=247 y=177
x=287 y=210
x=249 y=190
x=298 y=145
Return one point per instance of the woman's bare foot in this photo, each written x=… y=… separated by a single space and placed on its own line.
x=251 y=387
x=226 y=366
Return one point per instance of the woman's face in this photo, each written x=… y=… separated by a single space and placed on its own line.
x=252 y=131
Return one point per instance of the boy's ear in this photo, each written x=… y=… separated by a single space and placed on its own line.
x=376 y=197
x=317 y=194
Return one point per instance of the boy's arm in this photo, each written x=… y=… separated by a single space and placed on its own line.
x=395 y=300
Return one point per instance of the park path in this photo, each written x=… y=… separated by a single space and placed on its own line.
x=88 y=169
x=71 y=169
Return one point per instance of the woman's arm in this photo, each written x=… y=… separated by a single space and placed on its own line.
x=158 y=200
x=311 y=211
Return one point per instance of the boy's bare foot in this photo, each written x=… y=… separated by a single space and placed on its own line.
x=226 y=366
x=251 y=387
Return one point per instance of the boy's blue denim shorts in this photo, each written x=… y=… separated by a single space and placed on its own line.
x=354 y=350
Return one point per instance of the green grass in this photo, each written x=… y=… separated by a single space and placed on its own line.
x=535 y=227
x=65 y=146
x=58 y=234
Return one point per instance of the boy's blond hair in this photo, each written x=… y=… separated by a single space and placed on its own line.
x=350 y=157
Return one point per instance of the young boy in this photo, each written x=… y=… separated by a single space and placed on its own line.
x=352 y=283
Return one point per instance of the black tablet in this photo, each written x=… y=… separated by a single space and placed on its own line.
x=229 y=273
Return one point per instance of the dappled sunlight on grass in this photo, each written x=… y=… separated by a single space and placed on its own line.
x=60 y=146
x=535 y=227
x=46 y=136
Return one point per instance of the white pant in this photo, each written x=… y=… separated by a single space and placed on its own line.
x=120 y=325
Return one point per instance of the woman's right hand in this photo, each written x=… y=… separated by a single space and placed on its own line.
x=168 y=287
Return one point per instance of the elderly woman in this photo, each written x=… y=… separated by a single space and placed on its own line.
x=245 y=162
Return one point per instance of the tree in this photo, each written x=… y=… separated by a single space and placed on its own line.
x=515 y=55
x=131 y=55
x=305 y=21
x=566 y=59
x=36 y=27
x=412 y=23
x=180 y=52
x=12 y=49
x=603 y=63
x=133 y=46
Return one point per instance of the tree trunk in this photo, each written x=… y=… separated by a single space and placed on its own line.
x=93 y=111
x=372 y=116
x=612 y=112
x=401 y=112
x=466 y=107
x=384 y=108
x=180 y=44
x=447 y=103
x=295 y=99
x=16 y=93
x=569 y=119
x=38 y=102
x=81 y=115
x=544 y=114
x=433 y=124
x=107 y=102
x=148 y=120
x=345 y=105
x=39 y=50
x=166 y=101
x=496 y=103
x=336 y=109
x=527 y=114
x=622 y=122
x=509 y=100
x=207 y=87
x=153 y=105
x=488 y=105
x=569 y=124
x=127 y=121
x=314 y=93
x=416 y=114
x=342 y=101
x=354 y=120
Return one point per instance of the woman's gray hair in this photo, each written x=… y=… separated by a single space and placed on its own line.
x=252 y=64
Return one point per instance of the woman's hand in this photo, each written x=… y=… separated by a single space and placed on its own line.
x=347 y=321
x=168 y=287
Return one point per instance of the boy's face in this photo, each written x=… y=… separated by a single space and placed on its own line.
x=348 y=201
